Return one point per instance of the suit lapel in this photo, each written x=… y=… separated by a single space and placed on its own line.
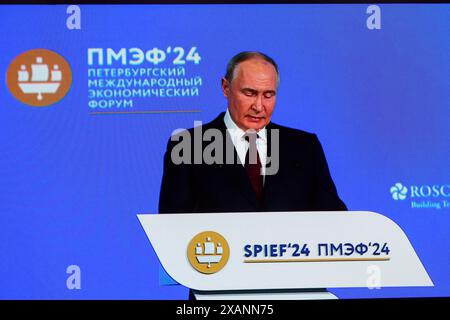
x=271 y=180
x=235 y=172
x=268 y=178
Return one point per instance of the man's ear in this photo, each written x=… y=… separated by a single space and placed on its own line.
x=225 y=87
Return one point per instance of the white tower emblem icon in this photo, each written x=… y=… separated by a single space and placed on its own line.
x=40 y=81
x=210 y=253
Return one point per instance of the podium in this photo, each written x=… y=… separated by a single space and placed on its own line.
x=282 y=255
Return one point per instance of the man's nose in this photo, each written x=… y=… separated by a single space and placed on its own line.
x=258 y=105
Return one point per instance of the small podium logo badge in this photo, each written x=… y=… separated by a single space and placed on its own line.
x=208 y=252
x=39 y=77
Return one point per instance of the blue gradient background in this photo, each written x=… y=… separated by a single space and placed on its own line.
x=72 y=183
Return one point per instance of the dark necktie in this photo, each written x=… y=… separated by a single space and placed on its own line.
x=253 y=165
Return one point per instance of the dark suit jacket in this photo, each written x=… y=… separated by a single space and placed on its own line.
x=303 y=181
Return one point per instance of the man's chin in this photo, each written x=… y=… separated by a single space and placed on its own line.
x=255 y=125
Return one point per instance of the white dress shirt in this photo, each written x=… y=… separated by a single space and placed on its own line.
x=241 y=144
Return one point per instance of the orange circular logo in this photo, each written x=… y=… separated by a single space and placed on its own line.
x=39 y=77
x=208 y=252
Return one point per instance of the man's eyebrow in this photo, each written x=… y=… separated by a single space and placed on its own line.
x=256 y=91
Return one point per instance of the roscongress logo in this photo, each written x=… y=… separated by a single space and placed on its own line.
x=39 y=77
x=208 y=252
x=426 y=196
x=399 y=191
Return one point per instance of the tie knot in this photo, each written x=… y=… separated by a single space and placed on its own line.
x=250 y=136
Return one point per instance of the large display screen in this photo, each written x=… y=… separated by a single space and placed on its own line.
x=91 y=94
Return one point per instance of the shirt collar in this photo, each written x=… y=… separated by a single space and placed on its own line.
x=237 y=132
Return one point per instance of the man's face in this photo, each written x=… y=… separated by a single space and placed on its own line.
x=251 y=94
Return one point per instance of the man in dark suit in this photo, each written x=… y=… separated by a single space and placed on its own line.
x=273 y=168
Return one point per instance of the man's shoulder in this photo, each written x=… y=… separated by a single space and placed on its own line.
x=292 y=133
x=286 y=133
x=216 y=123
x=191 y=133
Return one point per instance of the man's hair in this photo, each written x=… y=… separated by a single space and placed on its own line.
x=244 y=56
